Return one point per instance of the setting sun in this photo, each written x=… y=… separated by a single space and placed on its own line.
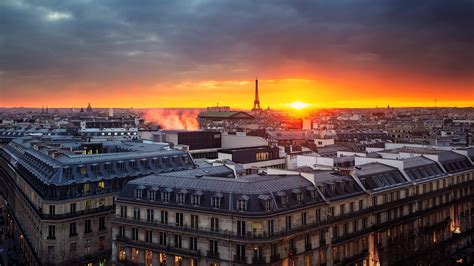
x=298 y=105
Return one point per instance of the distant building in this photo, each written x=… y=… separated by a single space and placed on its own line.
x=89 y=108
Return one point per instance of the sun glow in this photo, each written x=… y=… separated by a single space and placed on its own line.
x=298 y=105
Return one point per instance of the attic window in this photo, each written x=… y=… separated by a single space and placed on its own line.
x=196 y=200
x=152 y=193
x=298 y=194
x=241 y=205
x=139 y=192
x=165 y=196
x=283 y=198
x=312 y=192
x=68 y=172
x=267 y=201
x=216 y=200
x=101 y=186
x=182 y=196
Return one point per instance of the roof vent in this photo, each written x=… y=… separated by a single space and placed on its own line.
x=198 y=176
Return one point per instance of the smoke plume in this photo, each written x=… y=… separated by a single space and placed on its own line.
x=173 y=118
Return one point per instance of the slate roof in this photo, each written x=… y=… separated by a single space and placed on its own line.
x=253 y=189
x=376 y=176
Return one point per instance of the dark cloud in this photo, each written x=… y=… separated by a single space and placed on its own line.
x=43 y=42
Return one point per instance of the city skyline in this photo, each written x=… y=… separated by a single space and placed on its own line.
x=173 y=54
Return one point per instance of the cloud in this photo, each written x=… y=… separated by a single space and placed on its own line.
x=112 y=42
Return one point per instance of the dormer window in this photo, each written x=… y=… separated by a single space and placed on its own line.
x=95 y=169
x=283 y=198
x=268 y=205
x=144 y=163
x=86 y=189
x=121 y=166
x=165 y=196
x=312 y=192
x=196 y=198
x=181 y=199
x=139 y=192
x=298 y=194
x=242 y=203
x=101 y=186
x=134 y=165
x=67 y=172
x=152 y=193
x=108 y=167
x=83 y=169
x=267 y=201
x=216 y=200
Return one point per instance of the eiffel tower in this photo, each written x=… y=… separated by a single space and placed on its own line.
x=256 y=102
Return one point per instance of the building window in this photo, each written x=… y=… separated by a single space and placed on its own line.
x=216 y=202
x=271 y=227
x=351 y=206
x=51 y=232
x=303 y=218
x=361 y=204
x=164 y=217
x=101 y=186
x=151 y=195
x=121 y=254
x=101 y=243
x=88 y=204
x=136 y=213
x=284 y=200
x=123 y=211
x=83 y=170
x=194 y=221
x=214 y=224
x=241 y=231
x=335 y=232
x=134 y=233
x=150 y=215
x=138 y=193
x=148 y=236
x=86 y=189
x=72 y=207
x=193 y=243
x=179 y=219
x=299 y=197
x=288 y=222
x=72 y=229
x=240 y=252
x=163 y=238
x=181 y=198
x=165 y=196
x=318 y=215
x=241 y=205
x=121 y=231
x=214 y=248
x=268 y=205
x=101 y=223
x=87 y=226
x=196 y=200
x=52 y=210
x=177 y=241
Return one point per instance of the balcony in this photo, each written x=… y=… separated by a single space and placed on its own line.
x=240 y=259
x=213 y=254
x=75 y=214
x=258 y=260
x=159 y=248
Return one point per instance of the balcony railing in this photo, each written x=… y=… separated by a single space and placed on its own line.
x=275 y=258
x=258 y=260
x=240 y=259
x=76 y=213
x=158 y=247
x=213 y=254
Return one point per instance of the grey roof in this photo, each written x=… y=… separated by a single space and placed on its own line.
x=46 y=160
x=252 y=188
x=376 y=176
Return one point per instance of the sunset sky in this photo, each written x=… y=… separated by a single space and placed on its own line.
x=197 y=53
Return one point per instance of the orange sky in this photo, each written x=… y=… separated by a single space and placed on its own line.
x=356 y=91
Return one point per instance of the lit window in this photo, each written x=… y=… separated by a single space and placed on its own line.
x=101 y=186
